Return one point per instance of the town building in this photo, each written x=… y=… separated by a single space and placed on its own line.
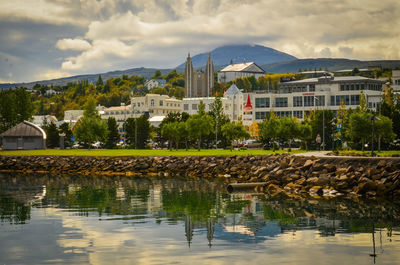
x=40 y=120
x=150 y=105
x=396 y=81
x=24 y=136
x=234 y=107
x=297 y=98
x=239 y=70
x=199 y=83
x=149 y=84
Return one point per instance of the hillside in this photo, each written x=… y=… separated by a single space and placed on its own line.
x=92 y=78
x=222 y=56
x=329 y=63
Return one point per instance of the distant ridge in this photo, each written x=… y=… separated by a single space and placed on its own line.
x=92 y=78
x=222 y=56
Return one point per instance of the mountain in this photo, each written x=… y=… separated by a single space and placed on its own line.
x=329 y=63
x=238 y=53
x=92 y=78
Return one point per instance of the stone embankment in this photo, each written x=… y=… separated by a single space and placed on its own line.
x=327 y=176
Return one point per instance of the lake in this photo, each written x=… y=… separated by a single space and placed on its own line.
x=119 y=220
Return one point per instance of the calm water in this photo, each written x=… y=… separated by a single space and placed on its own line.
x=109 y=220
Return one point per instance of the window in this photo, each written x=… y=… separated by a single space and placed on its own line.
x=311 y=88
x=152 y=103
x=261 y=115
x=320 y=100
x=262 y=102
x=281 y=102
x=185 y=106
x=355 y=99
x=342 y=87
x=308 y=101
x=138 y=104
x=194 y=107
x=281 y=114
x=298 y=114
x=345 y=99
x=297 y=101
x=161 y=103
x=332 y=100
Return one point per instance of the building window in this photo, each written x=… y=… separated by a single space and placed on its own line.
x=152 y=103
x=194 y=107
x=281 y=114
x=308 y=101
x=332 y=100
x=355 y=99
x=281 y=102
x=161 y=103
x=311 y=88
x=297 y=101
x=345 y=99
x=138 y=104
x=185 y=106
x=261 y=115
x=298 y=114
x=262 y=102
x=320 y=100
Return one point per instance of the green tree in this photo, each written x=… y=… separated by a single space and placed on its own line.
x=269 y=130
x=91 y=128
x=157 y=75
x=64 y=128
x=138 y=132
x=363 y=102
x=199 y=125
x=113 y=136
x=359 y=128
x=219 y=118
x=99 y=84
x=53 y=138
x=305 y=134
x=234 y=131
x=288 y=129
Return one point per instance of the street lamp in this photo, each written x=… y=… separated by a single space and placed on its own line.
x=373 y=119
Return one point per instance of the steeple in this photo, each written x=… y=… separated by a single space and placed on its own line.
x=189 y=77
x=209 y=76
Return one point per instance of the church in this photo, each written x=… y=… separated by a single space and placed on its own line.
x=199 y=84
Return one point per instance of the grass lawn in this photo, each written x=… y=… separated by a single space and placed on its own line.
x=368 y=153
x=133 y=152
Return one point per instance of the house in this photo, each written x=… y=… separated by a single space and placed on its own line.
x=39 y=120
x=239 y=70
x=24 y=136
x=149 y=84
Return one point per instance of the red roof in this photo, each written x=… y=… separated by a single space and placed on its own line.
x=248 y=105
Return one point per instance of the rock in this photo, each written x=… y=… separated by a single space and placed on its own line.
x=313 y=180
x=316 y=190
x=381 y=164
x=308 y=164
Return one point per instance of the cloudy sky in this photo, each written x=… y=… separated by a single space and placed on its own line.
x=43 y=39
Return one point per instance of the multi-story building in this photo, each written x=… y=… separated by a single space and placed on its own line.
x=239 y=70
x=396 y=81
x=151 y=105
x=297 y=98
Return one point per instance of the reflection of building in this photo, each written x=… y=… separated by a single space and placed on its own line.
x=199 y=84
x=189 y=230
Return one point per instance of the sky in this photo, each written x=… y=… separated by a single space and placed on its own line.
x=45 y=39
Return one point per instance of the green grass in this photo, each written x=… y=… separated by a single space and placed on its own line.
x=368 y=153
x=133 y=152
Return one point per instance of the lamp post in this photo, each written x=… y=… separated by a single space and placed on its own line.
x=216 y=130
x=373 y=119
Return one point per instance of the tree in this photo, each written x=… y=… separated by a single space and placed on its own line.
x=359 y=127
x=363 y=102
x=91 y=128
x=64 y=128
x=53 y=138
x=305 y=134
x=269 y=130
x=384 y=129
x=157 y=75
x=138 y=132
x=170 y=131
x=199 y=125
x=99 y=84
x=219 y=119
x=288 y=129
x=113 y=136
x=234 y=131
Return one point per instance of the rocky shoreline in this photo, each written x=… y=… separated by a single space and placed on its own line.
x=293 y=175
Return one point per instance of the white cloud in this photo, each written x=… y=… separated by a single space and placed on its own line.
x=73 y=44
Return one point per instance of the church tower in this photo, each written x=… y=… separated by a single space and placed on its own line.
x=189 y=78
x=209 y=77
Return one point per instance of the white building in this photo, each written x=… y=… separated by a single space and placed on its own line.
x=72 y=116
x=151 y=105
x=234 y=71
x=297 y=98
x=396 y=81
x=39 y=120
x=155 y=83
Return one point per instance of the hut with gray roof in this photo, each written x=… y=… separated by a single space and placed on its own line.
x=23 y=136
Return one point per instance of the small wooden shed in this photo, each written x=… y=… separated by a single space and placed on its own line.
x=24 y=136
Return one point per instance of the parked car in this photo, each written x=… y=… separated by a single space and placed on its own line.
x=252 y=144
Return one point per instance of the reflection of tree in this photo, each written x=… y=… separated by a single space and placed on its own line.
x=274 y=215
x=13 y=211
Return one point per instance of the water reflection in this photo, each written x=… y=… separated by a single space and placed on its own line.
x=159 y=221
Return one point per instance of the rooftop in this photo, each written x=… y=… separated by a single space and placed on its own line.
x=233 y=90
x=24 y=129
x=238 y=67
x=335 y=79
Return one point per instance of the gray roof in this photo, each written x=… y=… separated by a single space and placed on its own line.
x=24 y=129
x=242 y=67
x=233 y=90
x=335 y=79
